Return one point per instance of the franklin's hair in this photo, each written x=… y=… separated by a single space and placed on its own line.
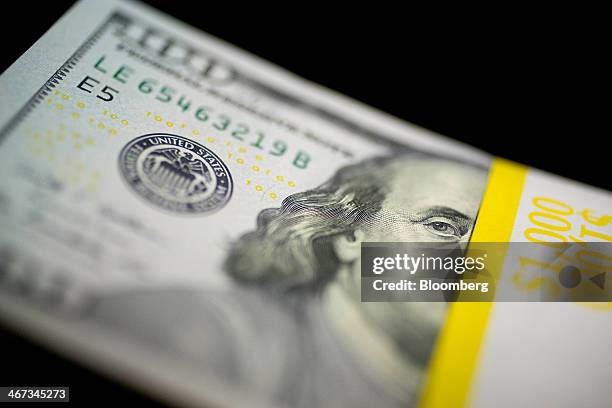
x=291 y=249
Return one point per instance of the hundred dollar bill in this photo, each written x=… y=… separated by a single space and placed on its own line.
x=186 y=218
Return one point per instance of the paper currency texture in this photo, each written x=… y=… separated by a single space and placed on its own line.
x=189 y=219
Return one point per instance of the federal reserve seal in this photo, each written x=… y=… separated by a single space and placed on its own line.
x=176 y=173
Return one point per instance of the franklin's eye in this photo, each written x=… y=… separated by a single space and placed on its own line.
x=443 y=228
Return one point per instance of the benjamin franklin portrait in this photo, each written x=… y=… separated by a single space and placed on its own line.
x=293 y=330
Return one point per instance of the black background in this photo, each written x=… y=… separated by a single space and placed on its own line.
x=522 y=84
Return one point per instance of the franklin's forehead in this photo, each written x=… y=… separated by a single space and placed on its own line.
x=420 y=183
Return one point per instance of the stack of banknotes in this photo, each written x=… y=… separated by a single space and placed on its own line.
x=187 y=218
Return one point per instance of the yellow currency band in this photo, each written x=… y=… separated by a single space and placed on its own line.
x=455 y=356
